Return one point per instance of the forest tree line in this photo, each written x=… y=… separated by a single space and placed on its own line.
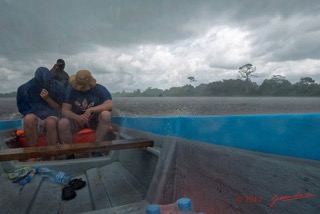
x=276 y=86
x=243 y=86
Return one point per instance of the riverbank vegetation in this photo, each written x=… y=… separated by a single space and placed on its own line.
x=242 y=86
x=276 y=86
x=11 y=94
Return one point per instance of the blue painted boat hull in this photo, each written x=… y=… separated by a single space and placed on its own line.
x=215 y=177
x=295 y=135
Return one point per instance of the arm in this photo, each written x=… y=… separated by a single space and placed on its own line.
x=68 y=113
x=105 y=106
x=22 y=102
x=105 y=96
x=45 y=95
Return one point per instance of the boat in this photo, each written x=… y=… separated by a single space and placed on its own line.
x=224 y=164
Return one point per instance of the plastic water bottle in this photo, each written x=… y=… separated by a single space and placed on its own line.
x=184 y=205
x=153 y=209
x=56 y=176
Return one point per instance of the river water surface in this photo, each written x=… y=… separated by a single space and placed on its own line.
x=195 y=106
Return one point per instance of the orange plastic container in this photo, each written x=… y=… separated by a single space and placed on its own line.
x=83 y=136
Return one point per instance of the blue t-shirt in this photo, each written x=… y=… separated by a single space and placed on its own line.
x=81 y=101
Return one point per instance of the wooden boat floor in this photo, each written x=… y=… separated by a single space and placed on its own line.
x=110 y=186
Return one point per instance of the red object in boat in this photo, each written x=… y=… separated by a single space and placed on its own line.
x=83 y=136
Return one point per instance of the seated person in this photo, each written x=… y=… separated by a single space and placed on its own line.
x=39 y=101
x=86 y=105
x=59 y=73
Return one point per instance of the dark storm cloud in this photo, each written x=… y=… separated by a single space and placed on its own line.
x=38 y=27
x=67 y=27
x=149 y=43
x=282 y=30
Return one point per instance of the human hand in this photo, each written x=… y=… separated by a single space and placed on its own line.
x=88 y=112
x=44 y=94
x=82 y=119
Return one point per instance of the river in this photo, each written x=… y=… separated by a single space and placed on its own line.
x=195 y=106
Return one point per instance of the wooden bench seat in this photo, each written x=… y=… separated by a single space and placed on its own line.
x=65 y=149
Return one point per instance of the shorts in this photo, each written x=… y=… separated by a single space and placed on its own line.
x=91 y=124
x=40 y=124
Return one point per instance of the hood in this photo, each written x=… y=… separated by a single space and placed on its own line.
x=43 y=76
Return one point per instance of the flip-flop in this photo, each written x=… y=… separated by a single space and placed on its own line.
x=77 y=183
x=68 y=193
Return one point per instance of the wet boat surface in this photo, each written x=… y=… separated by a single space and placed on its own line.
x=218 y=179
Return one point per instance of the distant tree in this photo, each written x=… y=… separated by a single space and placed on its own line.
x=137 y=93
x=246 y=72
x=186 y=90
x=192 y=79
x=238 y=87
x=172 y=92
x=306 y=87
x=278 y=79
x=276 y=86
x=215 y=88
x=306 y=81
x=152 y=92
x=201 y=90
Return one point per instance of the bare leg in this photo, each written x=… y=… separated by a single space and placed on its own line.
x=104 y=121
x=30 y=123
x=51 y=125
x=64 y=127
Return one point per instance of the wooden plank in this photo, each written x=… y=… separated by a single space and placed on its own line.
x=48 y=151
x=8 y=191
x=48 y=197
x=24 y=200
x=119 y=184
x=81 y=203
x=98 y=193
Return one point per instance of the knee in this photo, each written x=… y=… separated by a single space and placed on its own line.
x=105 y=116
x=51 y=124
x=30 y=120
x=63 y=124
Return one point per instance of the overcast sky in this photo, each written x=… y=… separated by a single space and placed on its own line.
x=130 y=45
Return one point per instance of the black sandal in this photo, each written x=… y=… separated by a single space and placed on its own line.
x=77 y=183
x=68 y=193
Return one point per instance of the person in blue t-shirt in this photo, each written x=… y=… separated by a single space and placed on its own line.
x=39 y=101
x=86 y=105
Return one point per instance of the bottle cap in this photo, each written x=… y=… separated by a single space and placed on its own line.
x=184 y=204
x=153 y=209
